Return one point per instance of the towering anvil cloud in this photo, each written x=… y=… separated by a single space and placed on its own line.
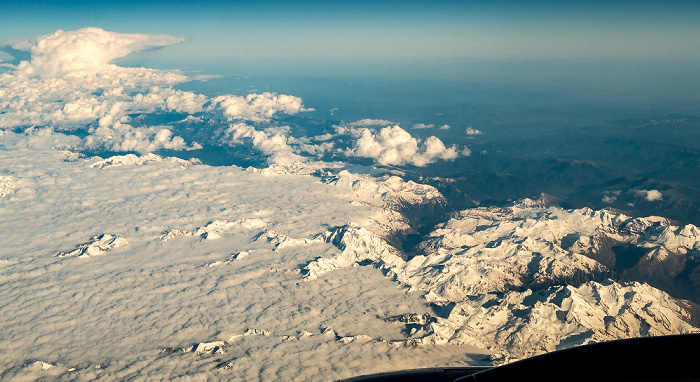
x=84 y=51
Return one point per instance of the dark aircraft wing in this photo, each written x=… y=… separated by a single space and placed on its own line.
x=665 y=358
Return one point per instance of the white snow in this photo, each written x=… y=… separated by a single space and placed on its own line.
x=96 y=246
x=7 y=185
x=131 y=159
x=479 y=259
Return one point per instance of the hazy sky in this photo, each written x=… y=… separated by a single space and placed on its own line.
x=387 y=29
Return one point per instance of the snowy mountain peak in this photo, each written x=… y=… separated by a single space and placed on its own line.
x=131 y=159
x=522 y=324
x=543 y=200
x=213 y=229
x=7 y=185
x=96 y=246
x=388 y=191
x=524 y=280
x=282 y=241
x=296 y=168
x=357 y=245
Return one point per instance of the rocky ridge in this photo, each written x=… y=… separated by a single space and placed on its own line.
x=97 y=246
x=358 y=245
x=387 y=191
x=404 y=202
x=502 y=279
x=134 y=160
x=213 y=229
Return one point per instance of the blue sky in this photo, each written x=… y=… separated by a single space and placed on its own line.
x=382 y=29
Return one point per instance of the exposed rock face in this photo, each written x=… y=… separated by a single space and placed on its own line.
x=214 y=347
x=531 y=246
x=651 y=249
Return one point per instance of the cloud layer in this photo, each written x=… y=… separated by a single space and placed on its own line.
x=204 y=290
x=71 y=84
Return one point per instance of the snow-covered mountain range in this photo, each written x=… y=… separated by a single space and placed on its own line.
x=522 y=279
x=525 y=279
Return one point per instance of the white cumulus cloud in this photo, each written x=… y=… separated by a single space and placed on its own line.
x=473 y=131
x=609 y=199
x=370 y=122
x=355 y=128
x=649 y=195
x=423 y=126
x=257 y=107
x=273 y=141
x=71 y=83
x=395 y=146
x=124 y=137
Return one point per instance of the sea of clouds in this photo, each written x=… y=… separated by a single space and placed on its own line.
x=118 y=263
x=150 y=268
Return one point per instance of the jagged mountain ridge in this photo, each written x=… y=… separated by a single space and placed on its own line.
x=131 y=159
x=664 y=251
x=509 y=284
x=484 y=266
x=405 y=203
x=388 y=191
x=97 y=246
x=532 y=244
